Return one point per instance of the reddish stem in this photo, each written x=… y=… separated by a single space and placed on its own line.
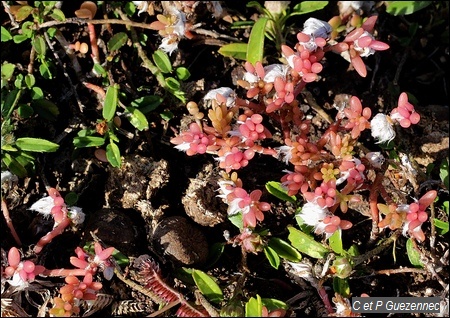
x=9 y=223
x=65 y=222
x=63 y=272
x=94 y=47
x=373 y=200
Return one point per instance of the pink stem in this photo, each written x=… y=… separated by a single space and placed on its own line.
x=65 y=222
x=63 y=272
x=94 y=47
x=9 y=223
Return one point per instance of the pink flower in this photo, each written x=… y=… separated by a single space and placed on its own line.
x=250 y=206
x=357 y=116
x=21 y=273
x=93 y=262
x=360 y=43
x=404 y=113
x=193 y=141
x=416 y=215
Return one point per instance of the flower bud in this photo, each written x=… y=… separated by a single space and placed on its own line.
x=342 y=267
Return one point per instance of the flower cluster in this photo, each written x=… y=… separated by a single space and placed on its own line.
x=382 y=126
x=75 y=291
x=324 y=172
x=20 y=273
x=72 y=294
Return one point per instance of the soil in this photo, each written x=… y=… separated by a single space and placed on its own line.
x=164 y=204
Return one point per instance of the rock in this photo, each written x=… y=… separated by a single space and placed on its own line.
x=181 y=240
x=201 y=202
x=122 y=229
x=135 y=183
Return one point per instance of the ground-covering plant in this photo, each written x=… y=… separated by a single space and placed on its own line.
x=329 y=172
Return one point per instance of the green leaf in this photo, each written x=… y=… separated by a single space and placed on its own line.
x=147 y=103
x=284 y=249
x=30 y=80
x=255 y=49
x=276 y=189
x=173 y=84
x=441 y=225
x=335 y=242
x=37 y=93
x=98 y=69
x=182 y=73
x=405 y=7
x=88 y=141
x=36 y=145
x=58 y=15
x=234 y=50
x=25 y=111
x=272 y=256
x=443 y=172
x=308 y=6
x=207 y=286
x=162 y=61
x=45 y=108
x=6 y=35
x=137 y=118
x=117 y=41
x=39 y=45
x=71 y=198
x=9 y=101
x=51 y=32
x=110 y=104
x=272 y=304
x=120 y=258
x=113 y=154
x=166 y=115
x=7 y=71
x=19 y=38
x=14 y=166
x=253 y=308
x=341 y=286
x=23 y=13
x=44 y=70
x=413 y=254
x=237 y=220
x=306 y=244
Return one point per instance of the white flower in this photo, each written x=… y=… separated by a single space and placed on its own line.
x=317 y=28
x=76 y=214
x=169 y=44
x=284 y=153
x=312 y=214
x=226 y=92
x=276 y=7
x=141 y=5
x=273 y=71
x=224 y=188
x=43 y=206
x=376 y=159
x=382 y=128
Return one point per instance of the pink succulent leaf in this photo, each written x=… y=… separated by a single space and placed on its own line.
x=369 y=24
x=427 y=199
x=359 y=65
x=354 y=35
x=378 y=45
x=13 y=257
